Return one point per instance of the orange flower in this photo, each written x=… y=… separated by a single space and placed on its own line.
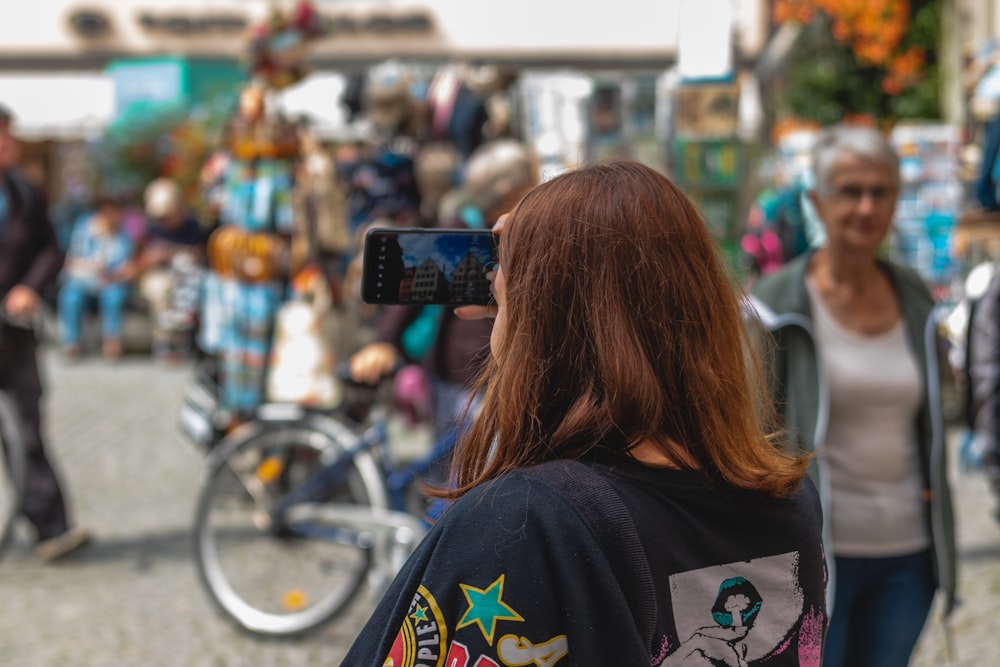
x=841 y=31
x=800 y=11
x=781 y=12
x=873 y=29
x=861 y=119
x=892 y=86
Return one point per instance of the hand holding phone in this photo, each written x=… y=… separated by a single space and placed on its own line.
x=428 y=266
x=488 y=311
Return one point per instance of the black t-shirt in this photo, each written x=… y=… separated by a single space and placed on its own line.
x=514 y=574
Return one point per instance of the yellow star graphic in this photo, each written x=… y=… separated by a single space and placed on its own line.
x=486 y=608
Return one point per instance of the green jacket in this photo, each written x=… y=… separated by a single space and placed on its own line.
x=800 y=390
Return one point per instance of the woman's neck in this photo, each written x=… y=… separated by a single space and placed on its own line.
x=651 y=454
x=850 y=271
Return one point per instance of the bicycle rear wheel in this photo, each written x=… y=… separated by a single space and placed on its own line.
x=12 y=469
x=287 y=577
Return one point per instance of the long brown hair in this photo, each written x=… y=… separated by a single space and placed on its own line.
x=621 y=325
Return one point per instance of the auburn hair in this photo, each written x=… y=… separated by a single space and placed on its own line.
x=621 y=325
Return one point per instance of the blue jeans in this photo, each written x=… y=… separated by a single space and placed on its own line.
x=75 y=295
x=880 y=606
x=449 y=401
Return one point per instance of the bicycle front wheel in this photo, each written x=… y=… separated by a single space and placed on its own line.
x=12 y=469
x=284 y=576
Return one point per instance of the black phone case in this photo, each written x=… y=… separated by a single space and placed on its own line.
x=428 y=266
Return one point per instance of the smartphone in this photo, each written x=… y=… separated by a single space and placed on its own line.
x=418 y=266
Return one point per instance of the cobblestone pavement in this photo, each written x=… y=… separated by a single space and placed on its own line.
x=975 y=628
x=133 y=599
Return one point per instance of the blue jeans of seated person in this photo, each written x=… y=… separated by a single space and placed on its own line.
x=880 y=606
x=449 y=400
x=75 y=295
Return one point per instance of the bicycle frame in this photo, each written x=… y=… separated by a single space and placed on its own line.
x=297 y=514
x=397 y=479
x=326 y=477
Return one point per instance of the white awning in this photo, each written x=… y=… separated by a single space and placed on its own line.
x=58 y=105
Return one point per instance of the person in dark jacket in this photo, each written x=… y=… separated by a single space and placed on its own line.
x=983 y=377
x=618 y=498
x=30 y=259
x=857 y=380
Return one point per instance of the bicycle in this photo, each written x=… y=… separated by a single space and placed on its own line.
x=300 y=506
x=13 y=461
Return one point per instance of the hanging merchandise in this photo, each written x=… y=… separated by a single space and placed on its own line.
x=930 y=199
x=302 y=364
x=252 y=253
x=707 y=157
x=457 y=114
x=278 y=46
x=555 y=113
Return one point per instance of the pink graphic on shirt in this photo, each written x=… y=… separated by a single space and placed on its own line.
x=811 y=639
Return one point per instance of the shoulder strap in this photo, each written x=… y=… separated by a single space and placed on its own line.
x=613 y=524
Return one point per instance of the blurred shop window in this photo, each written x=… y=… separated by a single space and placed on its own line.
x=606 y=131
x=623 y=120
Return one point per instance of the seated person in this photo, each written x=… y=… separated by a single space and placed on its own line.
x=97 y=267
x=169 y=267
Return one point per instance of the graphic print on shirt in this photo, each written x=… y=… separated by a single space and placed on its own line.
x=486 y=607
x=517 y=651
x=422 y=640
x=423 y=635
x=743 y=614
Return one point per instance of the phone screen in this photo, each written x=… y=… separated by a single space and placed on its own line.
x=416 y=265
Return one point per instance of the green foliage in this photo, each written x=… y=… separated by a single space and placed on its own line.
x=131 y=151
x=152 y=140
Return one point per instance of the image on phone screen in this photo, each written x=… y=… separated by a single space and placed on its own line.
x=442 y=266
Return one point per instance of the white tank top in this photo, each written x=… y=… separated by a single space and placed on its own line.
x=871 y=443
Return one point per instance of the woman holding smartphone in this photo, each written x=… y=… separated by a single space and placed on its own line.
x=618 y=498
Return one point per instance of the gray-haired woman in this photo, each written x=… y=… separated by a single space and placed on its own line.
x=856 y=380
